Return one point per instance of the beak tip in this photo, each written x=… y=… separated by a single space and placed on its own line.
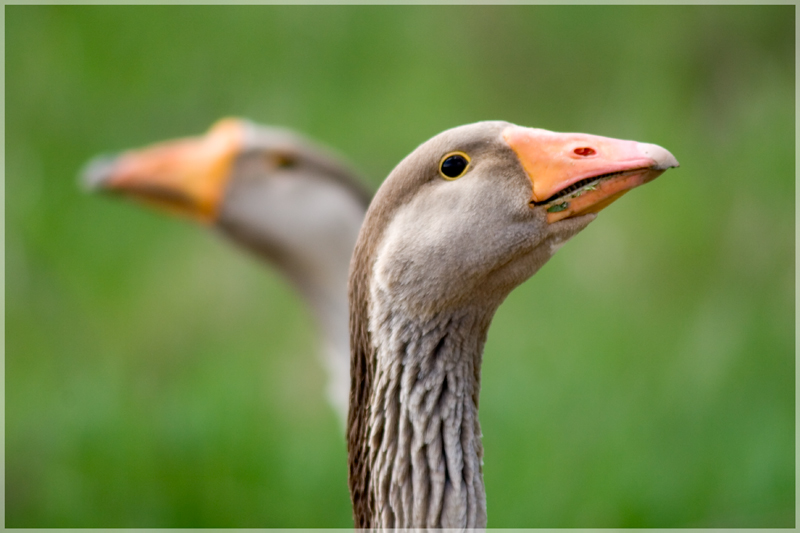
x=662 y=157
x=95 y=174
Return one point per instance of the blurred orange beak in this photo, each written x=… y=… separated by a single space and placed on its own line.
x=575 y=174
x=186 y=176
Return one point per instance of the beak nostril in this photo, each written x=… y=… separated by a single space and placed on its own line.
x=584 y=151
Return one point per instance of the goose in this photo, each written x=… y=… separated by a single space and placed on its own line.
x=272 y=191
x=460 y=222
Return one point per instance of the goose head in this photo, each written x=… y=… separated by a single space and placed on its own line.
x=279 y=193
x=461 y=221
x=292 y=202
x=478 y=209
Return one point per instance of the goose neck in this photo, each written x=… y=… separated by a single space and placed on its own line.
x=425 y=450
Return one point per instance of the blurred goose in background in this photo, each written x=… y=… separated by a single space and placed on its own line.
x=292 y=202
x=459 y=223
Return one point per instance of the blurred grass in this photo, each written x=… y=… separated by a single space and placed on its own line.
x=645 y=377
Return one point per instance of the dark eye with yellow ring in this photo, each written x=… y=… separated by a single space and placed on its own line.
x=454 y=165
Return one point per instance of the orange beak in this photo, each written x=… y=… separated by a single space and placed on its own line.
x=575 y=174
x=187 y=176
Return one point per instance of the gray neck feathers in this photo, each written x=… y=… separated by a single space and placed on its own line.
x=425 y=452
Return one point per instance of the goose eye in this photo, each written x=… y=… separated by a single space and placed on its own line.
x=454 y=165
x=284 y=161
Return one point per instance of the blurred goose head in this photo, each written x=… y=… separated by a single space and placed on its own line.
x=289 y=200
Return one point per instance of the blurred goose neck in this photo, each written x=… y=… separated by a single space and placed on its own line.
x=327 y=299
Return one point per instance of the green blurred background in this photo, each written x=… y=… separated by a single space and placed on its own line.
x=155 y=376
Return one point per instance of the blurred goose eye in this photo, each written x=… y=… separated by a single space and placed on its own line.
x=284 y=161
x=454 y=165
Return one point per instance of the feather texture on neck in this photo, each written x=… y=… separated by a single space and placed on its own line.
x=424 y=436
